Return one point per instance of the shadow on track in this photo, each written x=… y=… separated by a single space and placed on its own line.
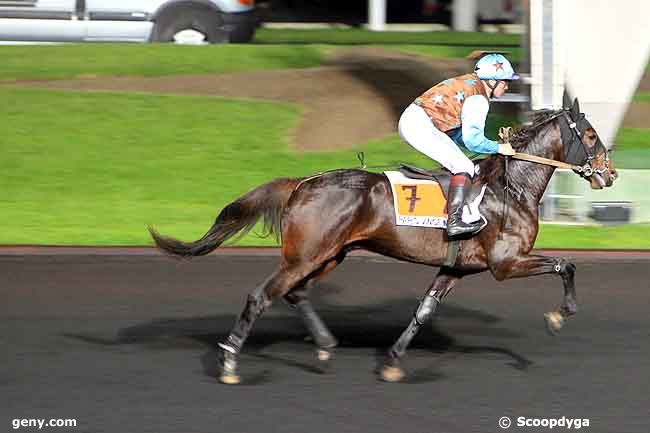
x=374 y=327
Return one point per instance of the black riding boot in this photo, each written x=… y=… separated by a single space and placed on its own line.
x=458 y=190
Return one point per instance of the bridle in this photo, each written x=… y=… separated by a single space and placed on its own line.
x=579 y=158
x=587 y=156
x=577 y=155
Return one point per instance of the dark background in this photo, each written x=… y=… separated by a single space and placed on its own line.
x=355 y=12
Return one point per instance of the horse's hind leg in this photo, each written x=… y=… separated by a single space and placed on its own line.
x=320 y=333
x=444 y=282
x=299 y=299
x=279 y=284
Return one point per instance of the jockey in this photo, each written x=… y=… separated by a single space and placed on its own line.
x=452 y=114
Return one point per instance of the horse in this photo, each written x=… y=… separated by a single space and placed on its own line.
x=319 y=219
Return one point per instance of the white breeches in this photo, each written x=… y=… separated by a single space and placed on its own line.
x=417 y=129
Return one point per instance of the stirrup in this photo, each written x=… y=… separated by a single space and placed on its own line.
x=465 y=229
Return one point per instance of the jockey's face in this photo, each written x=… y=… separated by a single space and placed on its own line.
x=500 y=89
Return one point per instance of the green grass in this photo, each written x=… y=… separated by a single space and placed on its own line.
x=87 y=60
x=74 y=175
x=37 y=62
x=632 y=236
x=634 y=138
x=632 y=148
x=642 y=97
x=79 y=176
x=450 y=51
x=365 y=37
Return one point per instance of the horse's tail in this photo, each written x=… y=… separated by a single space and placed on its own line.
x=239 y=217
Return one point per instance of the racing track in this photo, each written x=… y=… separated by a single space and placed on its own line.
x=122 y=342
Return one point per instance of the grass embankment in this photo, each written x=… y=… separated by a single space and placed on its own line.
x=95 y=169
x=632 y=148
x=632 y=236
x=79 y=176
x=101 y=60
x=433 y=44
x=366 y=37
x=278 y=49
x=633 y=144
x=642 y=97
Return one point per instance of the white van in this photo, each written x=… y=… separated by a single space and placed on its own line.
x=191 y=21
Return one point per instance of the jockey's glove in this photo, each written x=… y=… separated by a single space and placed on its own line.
x=506 y=149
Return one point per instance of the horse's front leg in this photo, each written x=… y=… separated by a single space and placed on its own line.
x=529 y=265
x=444 y=282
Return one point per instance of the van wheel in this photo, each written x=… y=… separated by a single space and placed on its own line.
x=190 y=26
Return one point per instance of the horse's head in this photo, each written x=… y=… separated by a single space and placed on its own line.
x=582 y=147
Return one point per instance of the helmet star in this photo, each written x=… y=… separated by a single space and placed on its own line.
x=460 y=96
x=498 y=66
x=437 y=99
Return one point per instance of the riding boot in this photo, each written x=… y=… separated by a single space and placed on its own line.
x=458 y=190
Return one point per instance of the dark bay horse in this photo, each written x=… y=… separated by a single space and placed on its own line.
x=321 y=218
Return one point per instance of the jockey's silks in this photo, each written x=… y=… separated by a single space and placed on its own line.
x=444 y=101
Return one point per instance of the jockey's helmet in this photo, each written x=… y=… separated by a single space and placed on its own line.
x=495 y=66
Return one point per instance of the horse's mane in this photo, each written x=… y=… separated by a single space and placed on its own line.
x=493 y=166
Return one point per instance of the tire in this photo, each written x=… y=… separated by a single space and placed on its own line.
x=200 y=19
x=242 y=33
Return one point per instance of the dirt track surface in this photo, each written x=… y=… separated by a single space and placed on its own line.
x=125 y=343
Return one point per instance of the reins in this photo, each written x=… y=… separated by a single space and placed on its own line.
x=506 y=132
x=546 y=161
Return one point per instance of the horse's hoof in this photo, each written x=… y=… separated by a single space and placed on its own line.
x=554 y=322
x=230 y=379
x=323 y=355
x=392 y=374
x=228 y=366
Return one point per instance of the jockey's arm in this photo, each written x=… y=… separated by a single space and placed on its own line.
x=473 y=115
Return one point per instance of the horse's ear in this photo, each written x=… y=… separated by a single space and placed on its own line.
x=566 y=100
x=575 y=110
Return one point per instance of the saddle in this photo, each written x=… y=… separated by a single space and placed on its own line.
x=442 y=176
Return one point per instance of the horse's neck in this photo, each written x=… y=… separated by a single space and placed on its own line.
x=529 y=177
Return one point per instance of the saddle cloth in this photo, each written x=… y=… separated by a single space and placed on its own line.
x=423 y=203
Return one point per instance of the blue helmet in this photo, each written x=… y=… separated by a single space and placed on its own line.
x=495 y=66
